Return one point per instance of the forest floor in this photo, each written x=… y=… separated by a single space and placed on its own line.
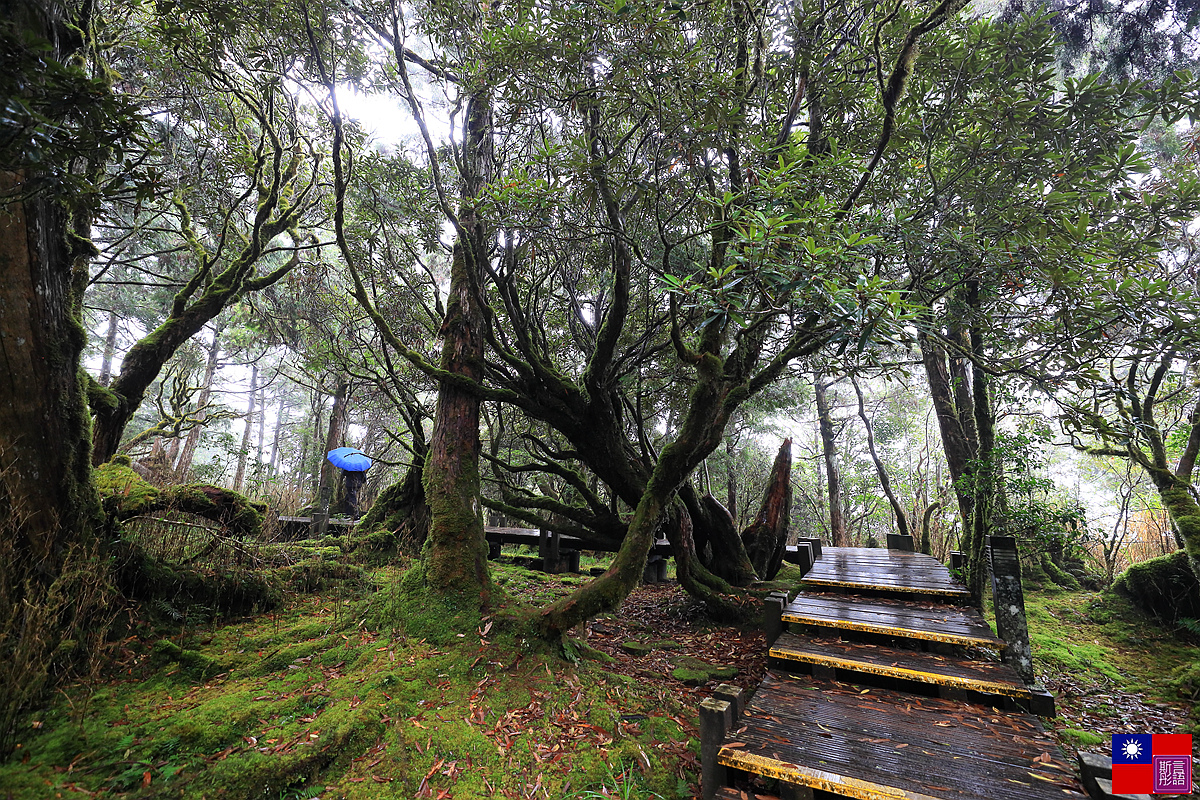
x=350 y=694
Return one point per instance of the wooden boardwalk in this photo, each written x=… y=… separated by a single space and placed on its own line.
x=878 y=570
x=894 y=691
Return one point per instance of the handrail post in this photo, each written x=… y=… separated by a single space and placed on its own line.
x=1008 y=600
x=715 y=719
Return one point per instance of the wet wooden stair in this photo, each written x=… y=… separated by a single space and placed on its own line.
x=886 y=689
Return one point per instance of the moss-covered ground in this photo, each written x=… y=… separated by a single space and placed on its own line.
x=359 y=691
x=363 y=690
x=1112 y=668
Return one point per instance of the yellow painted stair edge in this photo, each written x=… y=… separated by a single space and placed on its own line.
x=788 y=654
x=947 y=592
x=888 y=630
x=816 y=778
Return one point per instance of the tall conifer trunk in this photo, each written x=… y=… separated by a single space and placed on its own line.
x=455 y=550
x=838 y=534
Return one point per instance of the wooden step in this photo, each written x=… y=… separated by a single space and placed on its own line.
x=868 y=663
x=871 y=569
x=875 y=744
x=896 y=618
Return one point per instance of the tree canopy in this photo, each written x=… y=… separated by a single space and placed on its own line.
x=609 y=242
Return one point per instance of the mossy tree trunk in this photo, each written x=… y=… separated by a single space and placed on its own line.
x=1180 y=502
x=1143 y=441
x=335 y=437
x=220 y=277
x=48 y=500
x=53 y=584
x=401 y=507
x=987 y=481
x=712 y=399
x=956 y=424
x=963 y=404
x=712 y=527
x=455 y=552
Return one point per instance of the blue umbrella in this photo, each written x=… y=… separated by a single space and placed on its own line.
x=350 y=459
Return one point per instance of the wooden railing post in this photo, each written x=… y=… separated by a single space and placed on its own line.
x=772 y=616
x=715 y=718
x=1008 y=599
x=735 y=696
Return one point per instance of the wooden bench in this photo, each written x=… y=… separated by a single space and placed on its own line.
x=560 y=553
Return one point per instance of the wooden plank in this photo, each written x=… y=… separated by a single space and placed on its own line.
x=987 y=677
x=874 y=744
x=951 y=624
x=907 y=587
x=891 y=570
x=890 y=609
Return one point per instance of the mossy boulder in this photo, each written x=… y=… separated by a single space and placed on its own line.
x=1163 y=586
x=695 y=672
x=690 y=677
x=1058 y=575
x=320 y=574
x=637 y=648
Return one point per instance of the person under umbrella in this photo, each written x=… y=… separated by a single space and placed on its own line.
x=354 y=463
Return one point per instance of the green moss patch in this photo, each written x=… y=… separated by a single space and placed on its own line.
x=1103 y=642
x=695 y=672
x=1084 y=739
x=375 y=695
x=197 y=665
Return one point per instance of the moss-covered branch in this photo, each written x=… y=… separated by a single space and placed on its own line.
x=125 y=495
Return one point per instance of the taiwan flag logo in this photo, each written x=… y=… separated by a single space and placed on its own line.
x=1145 y=763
